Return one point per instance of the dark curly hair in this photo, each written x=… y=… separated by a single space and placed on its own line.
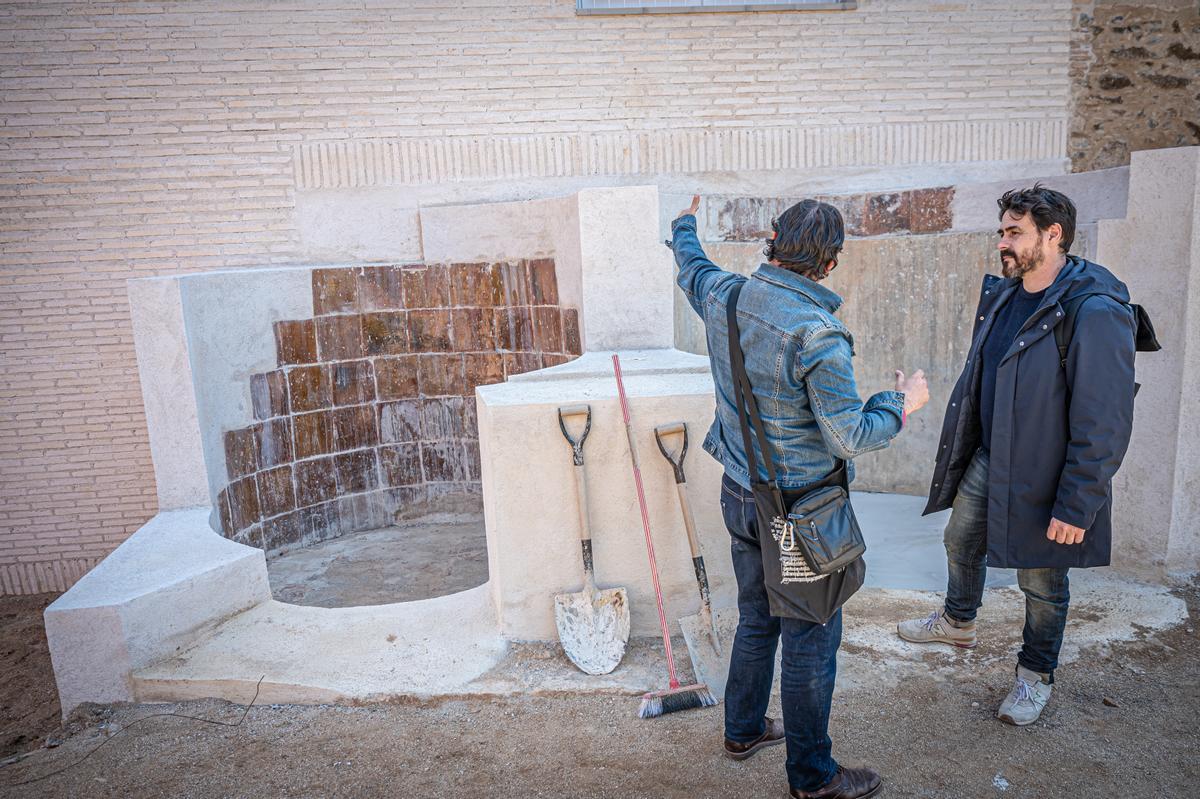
x=1046 y=207
x=808 y=236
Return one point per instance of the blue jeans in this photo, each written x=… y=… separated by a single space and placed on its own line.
x=809 y=659
x=1047 y=594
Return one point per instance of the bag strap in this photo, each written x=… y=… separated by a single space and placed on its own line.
x=1065 y=330
x=1145 y=338
x=748 y=406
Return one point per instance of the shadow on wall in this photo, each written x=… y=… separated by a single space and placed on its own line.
x=370 y=416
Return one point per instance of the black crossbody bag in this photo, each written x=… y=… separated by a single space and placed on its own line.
x=811 y=551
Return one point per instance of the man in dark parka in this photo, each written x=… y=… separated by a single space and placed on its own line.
x=1031 y=441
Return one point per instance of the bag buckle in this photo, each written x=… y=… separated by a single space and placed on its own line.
x=787 y=541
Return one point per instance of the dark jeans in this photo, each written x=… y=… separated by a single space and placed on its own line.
x=1047 y=594
x=809 y=659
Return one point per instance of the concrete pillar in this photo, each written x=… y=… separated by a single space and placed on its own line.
x=626 y=274
x=1155 y=250
x=165 y=372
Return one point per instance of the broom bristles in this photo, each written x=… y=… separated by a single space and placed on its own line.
x=656 y=703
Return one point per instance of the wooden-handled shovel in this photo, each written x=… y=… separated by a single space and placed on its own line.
x=689 y=523
x=593 y=625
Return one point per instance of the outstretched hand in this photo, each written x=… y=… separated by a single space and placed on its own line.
x=691 y=209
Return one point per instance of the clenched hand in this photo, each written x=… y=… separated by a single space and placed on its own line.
x=914 y=389
x=1064 y=533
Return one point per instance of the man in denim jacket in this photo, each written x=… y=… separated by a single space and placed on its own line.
x=798 y=358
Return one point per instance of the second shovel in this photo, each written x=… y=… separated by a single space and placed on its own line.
x=702 y=631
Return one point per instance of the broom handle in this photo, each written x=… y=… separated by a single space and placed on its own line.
x=637 y=479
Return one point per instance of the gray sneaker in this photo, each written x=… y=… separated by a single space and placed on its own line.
x=937 y=628
x=1025 y=701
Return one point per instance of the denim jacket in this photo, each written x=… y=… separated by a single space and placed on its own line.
x=798 y=356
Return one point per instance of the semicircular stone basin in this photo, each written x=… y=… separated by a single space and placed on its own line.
x=359 y=474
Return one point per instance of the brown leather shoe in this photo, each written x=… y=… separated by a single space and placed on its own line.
x=848 y=783
x=772 y=736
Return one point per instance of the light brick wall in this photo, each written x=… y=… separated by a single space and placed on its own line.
x=152 y=138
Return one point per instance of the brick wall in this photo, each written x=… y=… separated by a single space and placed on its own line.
x=1136 y=77
x=371 y=413
x=155 y=138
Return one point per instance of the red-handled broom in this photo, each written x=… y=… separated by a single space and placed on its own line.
x=676 y=697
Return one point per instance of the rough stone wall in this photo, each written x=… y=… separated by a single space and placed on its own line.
x=1135 y=70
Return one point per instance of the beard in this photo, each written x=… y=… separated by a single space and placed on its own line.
x=1018 y=264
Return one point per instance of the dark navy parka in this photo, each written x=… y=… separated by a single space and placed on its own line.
x=1058 y=435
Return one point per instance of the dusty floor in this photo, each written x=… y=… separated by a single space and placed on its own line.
x=393 y=564
x=1122 y=723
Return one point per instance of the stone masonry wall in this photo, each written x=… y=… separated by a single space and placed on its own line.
x=371 y=413
x=1136 y=70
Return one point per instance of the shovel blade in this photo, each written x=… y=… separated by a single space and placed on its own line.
x=593 y=629
x=711 y=666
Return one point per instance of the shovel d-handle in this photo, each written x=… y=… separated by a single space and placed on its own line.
x=664 y=430
x=566 y=412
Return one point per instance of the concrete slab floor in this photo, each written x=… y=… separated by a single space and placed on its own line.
x=449 y=554
x=378 y=567
x=904 y=548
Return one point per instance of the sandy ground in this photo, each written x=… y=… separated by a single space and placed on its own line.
x=1122 y=722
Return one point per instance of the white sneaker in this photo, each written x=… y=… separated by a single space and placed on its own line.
x=1025 y=701
x=937 y=628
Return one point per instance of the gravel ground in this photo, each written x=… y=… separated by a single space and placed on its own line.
x=1121 y=723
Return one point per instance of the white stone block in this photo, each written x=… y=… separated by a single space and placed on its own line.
x=627 y=273
x=151 y=597
x=529 y=490
x=167 y=392
x=1155 y=250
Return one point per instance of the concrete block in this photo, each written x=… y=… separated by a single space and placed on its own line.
x=1155 y=250
x=165 y=373
x=626 y=271
x=530 y=507
x=151 y=597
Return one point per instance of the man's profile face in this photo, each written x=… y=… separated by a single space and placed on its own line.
x=1022 y=246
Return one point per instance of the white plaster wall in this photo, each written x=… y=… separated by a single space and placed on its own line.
x=489 y=231
x=358 y=224
x=609 y=259
x=229 y=318
x=1102 y=194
